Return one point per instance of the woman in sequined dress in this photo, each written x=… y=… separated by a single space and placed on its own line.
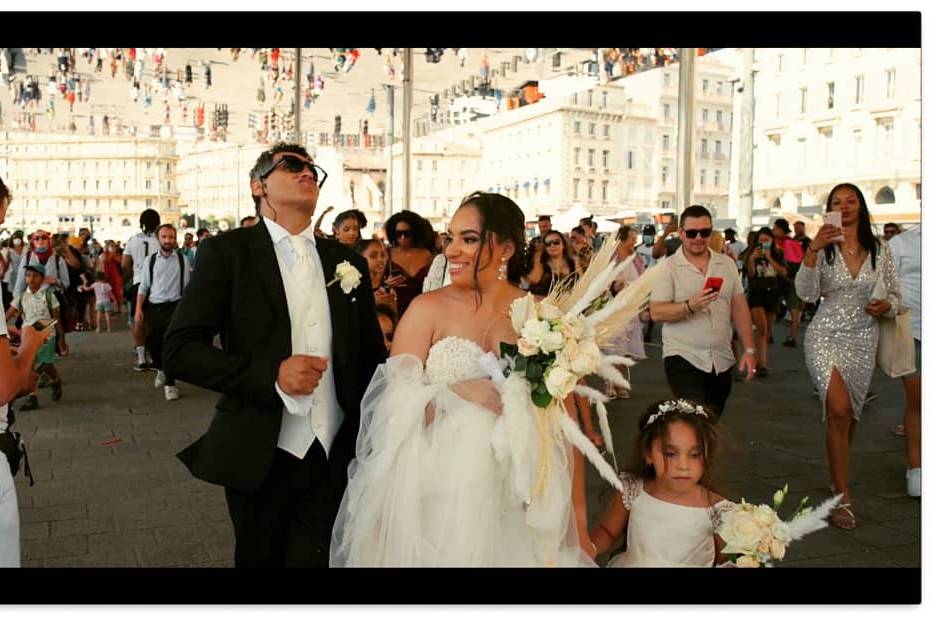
x=840 y=345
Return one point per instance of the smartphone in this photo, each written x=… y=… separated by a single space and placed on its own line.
x=41 y=325
x=766 y=246
x=714 y=283
x=835 y=219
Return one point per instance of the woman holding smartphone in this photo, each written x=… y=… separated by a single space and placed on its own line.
x=859 y=284
x=765 y=265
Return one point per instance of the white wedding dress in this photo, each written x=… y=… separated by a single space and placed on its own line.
x=463 y=489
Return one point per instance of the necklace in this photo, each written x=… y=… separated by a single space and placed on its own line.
x=851 y=252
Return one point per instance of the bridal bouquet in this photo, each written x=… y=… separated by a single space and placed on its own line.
x=755 y=534
x=560 y=340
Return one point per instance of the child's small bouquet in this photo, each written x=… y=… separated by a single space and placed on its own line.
x=755 y=534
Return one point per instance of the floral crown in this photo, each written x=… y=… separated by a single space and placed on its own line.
x=680 y=405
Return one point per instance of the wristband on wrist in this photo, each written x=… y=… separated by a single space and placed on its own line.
x=688 y=304
x=750 y=351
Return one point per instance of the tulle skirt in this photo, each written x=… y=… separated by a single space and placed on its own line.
x=443 y=493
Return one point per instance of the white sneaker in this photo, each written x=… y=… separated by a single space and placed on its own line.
x=160 y=379
x=171 y=392
x=913 y=476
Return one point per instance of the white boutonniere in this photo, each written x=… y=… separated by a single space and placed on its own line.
x=348 y=276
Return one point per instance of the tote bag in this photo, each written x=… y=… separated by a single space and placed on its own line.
x=896 y=353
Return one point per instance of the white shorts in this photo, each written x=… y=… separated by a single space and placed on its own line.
x=9 y=517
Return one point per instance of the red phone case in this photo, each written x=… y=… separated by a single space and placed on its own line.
x=714 y=282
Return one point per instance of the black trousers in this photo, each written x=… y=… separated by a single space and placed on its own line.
x=156 y=320
x=708 y=388
x=287 y=522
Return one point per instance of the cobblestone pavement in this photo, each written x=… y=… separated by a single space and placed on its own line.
x=110 y=492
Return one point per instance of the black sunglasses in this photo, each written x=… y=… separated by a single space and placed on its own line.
x=297 y=165
x=552 y=243
x=403 y=233
x=692 y=233
x=389 y=335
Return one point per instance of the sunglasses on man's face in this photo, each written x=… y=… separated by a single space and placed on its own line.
x=40 y=237
x=294 y=164
x=693 y=233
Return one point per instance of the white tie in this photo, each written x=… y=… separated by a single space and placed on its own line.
x=303 y=275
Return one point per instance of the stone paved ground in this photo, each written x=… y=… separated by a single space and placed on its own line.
x=110 y=492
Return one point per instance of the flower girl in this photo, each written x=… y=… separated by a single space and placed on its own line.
x=667 y=510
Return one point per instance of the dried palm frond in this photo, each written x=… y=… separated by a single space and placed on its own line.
x=805 y=524
x=615 y=317
x=573 y=434
x=573 y=295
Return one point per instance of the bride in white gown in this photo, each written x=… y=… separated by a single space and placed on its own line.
x=433 y=482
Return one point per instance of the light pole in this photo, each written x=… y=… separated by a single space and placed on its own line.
x=298 y=98
x=407 y=130
x=391 y=92
x=685 y=127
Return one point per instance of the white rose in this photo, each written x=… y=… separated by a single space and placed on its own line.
x=747 y=562
x=778 y=549
x=534 y=330
x=525 y=348
x=764 y=514
x=587 y=358
x=521 y=311
x=547 y=311
x=348 y=275
x=560 y=382
x=741 y=532
x=552 y=341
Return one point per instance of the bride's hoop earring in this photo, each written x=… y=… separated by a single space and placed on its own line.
x=502 y=270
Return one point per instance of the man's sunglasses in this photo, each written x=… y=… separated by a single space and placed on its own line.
x=390 y=335
x=692 y=233
x=297 y=165
x=552 y=243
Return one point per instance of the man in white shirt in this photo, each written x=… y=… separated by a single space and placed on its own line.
x=906 y=251
x=699 y=318
x=137 y=249
x=297 y=354
x=165 y=275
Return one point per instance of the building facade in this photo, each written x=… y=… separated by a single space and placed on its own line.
x=63 y=182
x=830 y=115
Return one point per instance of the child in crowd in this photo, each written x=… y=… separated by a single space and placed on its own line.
x=667 y=510
x=105 y=300
x=37 y=303
x=387 y=322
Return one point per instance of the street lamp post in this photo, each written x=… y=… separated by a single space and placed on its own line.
x=407 y=130
x=685 y=127
x=298 y=96
x=391 y=91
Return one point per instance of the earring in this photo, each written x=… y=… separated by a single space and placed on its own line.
x=502 y=270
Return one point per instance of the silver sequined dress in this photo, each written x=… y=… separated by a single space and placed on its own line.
x=842 y=334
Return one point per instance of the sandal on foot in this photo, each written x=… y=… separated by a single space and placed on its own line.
x=845 y=520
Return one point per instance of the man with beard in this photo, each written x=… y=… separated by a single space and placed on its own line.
x=164 y=277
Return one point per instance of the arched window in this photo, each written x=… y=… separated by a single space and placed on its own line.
x=885 y=195
x=777 y=204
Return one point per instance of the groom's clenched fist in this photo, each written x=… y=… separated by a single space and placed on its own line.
x=300 y=374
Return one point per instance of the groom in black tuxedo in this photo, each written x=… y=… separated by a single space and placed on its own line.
x=297 y=354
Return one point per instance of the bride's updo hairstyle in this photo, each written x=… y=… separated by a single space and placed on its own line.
x=501 y=216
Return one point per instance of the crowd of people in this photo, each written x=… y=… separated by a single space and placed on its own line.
x=293 y=374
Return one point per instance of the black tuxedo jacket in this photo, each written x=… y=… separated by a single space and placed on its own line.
x=236 y=291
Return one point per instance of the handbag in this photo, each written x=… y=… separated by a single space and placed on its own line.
x=896 y=352
x=12 y=446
